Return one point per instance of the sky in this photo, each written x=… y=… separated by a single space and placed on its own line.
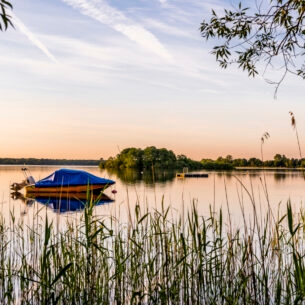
x=85 y=79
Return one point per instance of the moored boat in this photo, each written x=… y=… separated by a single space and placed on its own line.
x=68 y=180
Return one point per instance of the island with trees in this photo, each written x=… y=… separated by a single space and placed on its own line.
x=161 y=158
x=150 y=158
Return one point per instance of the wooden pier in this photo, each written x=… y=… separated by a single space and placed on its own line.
x=195 y=175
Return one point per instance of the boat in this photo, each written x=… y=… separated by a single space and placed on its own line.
x=65 y=180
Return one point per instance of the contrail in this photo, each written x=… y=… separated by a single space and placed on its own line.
x=116 y=20
x=19 y=24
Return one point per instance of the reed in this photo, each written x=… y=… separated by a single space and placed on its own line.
x=156 y=258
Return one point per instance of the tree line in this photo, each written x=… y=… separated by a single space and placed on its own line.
x=229 y=163
x=155 y=158
x=161 y=158
x=34 y=161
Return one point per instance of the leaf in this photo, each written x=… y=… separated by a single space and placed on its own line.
x=61 y=273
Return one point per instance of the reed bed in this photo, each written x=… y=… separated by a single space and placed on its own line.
x=154 y=259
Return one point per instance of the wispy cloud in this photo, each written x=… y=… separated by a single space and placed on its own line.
x=115 y=19
x=23 y=29
x=167 y=29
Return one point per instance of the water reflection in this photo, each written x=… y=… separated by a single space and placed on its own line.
x=278 y=177
x=60 y=203
x=149 y=177
x=134 y=187
x=21 y=197
x=229 y=174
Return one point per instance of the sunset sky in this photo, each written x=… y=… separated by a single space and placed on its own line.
x=84 y=79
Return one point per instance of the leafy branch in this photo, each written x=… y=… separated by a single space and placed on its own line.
x=273 y=35
x=5 y=18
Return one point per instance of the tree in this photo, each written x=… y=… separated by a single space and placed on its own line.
x=280 y=161
x=254 y=162
x=6 y=19
x=271 y=32
x=131 y=157
x=150 y=156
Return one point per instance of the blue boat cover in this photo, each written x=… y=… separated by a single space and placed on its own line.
x=68 y=177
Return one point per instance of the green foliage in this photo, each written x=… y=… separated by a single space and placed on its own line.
x=183 y=161
x=158 y=158
x=246 y=38
x=5 y=20
x=151 y=158
x=229 y=163
x=219 y=164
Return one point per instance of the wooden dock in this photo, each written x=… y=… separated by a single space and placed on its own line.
x=191 y=175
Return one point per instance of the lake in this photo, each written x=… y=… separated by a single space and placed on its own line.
x=243 y=256
x=234 y=192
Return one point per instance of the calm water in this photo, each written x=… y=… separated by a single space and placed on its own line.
x=228 y=191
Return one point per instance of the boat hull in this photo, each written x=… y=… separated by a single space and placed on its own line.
x=69 y=195
x=66 y=189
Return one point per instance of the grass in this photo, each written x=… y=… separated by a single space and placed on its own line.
x=155 y=258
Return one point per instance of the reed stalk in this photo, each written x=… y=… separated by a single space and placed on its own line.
x=159 y=258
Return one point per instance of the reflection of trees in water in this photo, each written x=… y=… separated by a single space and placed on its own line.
x=255 y=174
x=150 y=177
x=236 y=173
x=279 y=176
x=220 y=174
x=291 y=174
x=227 y=174
x=130 y=175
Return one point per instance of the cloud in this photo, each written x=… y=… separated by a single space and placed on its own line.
x=23 y=29
x=167 y=29
x=113 y=18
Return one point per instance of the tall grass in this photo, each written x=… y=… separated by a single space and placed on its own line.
x=154 y=259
